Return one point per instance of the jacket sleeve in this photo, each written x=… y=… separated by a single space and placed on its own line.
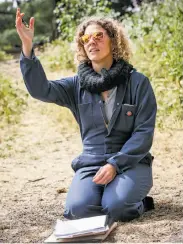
x=140 y=142
x=61 y=92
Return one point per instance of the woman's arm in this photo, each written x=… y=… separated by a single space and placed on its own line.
x=140 y=142
x=61 y=92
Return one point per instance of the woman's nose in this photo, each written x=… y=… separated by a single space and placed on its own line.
x=92 y=40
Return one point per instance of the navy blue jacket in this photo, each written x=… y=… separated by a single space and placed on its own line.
x=128 y=137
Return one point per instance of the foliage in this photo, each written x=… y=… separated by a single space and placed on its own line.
x=63 y=116
x=157 y=33
x=9 y=39
x=12 y=101
x=4 y=56
x=45 y=27
x=70 y=12
x=9 y=36
x=7 y=21
x=59 y=55
x=42 y=11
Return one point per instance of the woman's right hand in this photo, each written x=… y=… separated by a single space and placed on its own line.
x=26 y=34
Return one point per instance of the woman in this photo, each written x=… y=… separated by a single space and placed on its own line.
x=115 y=108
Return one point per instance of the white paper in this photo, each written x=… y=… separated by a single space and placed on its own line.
x=100 y=237
x=80 y=226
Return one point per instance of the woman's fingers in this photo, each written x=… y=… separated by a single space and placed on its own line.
x=19 y=22
x=22 y=15
x=105 y=174
x=17 y=13
x=31 y=23
x=104 y=179
x=99 y=175
x=19 y=18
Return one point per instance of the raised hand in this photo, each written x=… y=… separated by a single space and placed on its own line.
x=26 y=33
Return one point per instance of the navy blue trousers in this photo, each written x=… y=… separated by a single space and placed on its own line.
x=121 y=199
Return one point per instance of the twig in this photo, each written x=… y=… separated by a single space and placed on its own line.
x=36 y=179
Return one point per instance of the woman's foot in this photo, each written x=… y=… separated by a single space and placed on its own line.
x=148 y=203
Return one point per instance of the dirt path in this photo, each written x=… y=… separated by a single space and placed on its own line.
x=35 y=158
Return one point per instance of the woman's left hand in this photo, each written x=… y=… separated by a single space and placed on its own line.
x=105 y=174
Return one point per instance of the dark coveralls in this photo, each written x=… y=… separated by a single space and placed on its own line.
x=124 y=143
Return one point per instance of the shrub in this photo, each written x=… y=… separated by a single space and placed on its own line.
x=4 y=56
x=157 y=34
x=59 y=56
x=70 y=12
x=9 y=39
x=12 y=101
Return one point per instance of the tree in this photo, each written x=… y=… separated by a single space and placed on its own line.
x=70 y=12
x=42 y=10
x=7 y=16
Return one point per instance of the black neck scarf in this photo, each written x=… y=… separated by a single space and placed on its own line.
x=105 y=80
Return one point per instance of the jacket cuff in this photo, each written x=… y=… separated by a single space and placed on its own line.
x=28 y=59
x=120 y=168
x=113 y=163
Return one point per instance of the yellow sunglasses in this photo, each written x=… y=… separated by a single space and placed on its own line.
x=97 y=36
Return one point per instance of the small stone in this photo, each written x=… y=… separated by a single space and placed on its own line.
x=61 y=190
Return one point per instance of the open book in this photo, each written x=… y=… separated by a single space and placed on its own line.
x=80 y=230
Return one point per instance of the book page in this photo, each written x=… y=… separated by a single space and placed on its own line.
x=98 y=237
x=84 y=225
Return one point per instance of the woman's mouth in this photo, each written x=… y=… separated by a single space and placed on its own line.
x=93 y=50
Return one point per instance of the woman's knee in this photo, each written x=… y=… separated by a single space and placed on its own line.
x=75 y=210
x=124 y=211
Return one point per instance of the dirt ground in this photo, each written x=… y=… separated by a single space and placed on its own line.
x=35 y=173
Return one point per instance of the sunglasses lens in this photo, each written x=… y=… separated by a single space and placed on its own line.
x=96 y=36
x=85 y=39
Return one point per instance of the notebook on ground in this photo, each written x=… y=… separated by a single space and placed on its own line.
x=95 y=237
x=70 y=228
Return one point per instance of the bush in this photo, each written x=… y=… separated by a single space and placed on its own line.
x=42 y=10
x=59 y=56
x=4 y=56
x=9 y=39
x=157 y=33
x=12 y=101
x=70 y=12
x=63 y=116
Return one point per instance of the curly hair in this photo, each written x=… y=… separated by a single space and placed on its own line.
x=120 y=42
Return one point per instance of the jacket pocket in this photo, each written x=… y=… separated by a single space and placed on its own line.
x=125 y=121
x=90 y=116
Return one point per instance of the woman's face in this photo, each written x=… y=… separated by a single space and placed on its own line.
x=98 y=48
